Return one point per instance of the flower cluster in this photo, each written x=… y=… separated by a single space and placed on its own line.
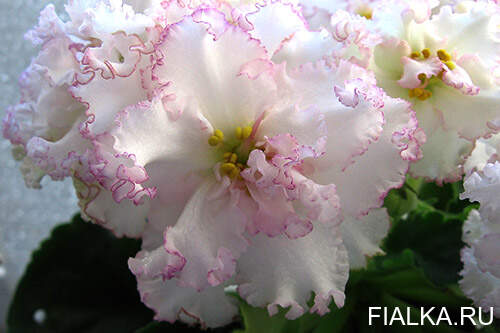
x=252 y=144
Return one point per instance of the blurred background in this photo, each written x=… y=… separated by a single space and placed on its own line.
x=26 y=215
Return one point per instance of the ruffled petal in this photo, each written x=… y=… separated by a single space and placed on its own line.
x=481 y=273
x=47 y=110
x=170 y=302
x=49 y=26
x=212 y=79
x=471 y=116
x=98 y=206
x=60 y=158
x=363 y=186
x=484 y=187
x=412 y=69
x=164 y=132
x=482 y=287
x=362 y=237
x=355 y=39
x=305 y=46
x=116 y=83
x=332 y=102
x=274 y=23
x=485 y=151
x=118 y=55
x=207 y=237
x=119 y=172
x=95 y=18
x=470 y=32
x=261 y=278
x=441 y=165
x=486 y=251
x=287 y=202
x=459 y=79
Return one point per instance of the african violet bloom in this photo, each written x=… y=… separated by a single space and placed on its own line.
x=235 y=140
x=252 y=170
x=445 y=64
x=481 y=273
x=440 y=56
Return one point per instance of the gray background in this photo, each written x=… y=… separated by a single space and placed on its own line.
x=26 y=215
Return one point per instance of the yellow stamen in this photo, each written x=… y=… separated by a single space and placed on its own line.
x=246 y=132
x=214 y=140
x=418 y=91
x=411 y=93
x=239 y=133
x=227 y=155
x=366 y=12
x=415 y=55
x=443 y=55
x=426 y=53
x=233 y=158
x=425 y=95
x=227 y=168
x=234 y=173
x=219 y=134
x=422 y=77
x=450 y=64
x=240 y=166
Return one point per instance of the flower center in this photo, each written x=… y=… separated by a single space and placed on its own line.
x=365 y=11
x=233 y=149
x=421 y=92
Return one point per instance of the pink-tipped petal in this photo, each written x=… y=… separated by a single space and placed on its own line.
x=316 y=263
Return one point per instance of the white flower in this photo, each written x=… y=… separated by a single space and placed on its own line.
x=253 y=168
x=481 y=273
x=446 y=66
x=235 y=140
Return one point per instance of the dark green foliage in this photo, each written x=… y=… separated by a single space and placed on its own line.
x=80 y=278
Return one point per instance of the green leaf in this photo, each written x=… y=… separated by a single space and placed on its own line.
x=443 y=197
x=428 y=218
x=435 y=240
x=80 y=278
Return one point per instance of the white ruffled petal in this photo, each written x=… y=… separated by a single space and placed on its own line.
x=164 y=132
x=214 y=78
x=471 y=32
x=207 y=239
x=330 y=100
x=98 y=206
x=274 y=23
x=170 y=302
x=482 y=287
x=484 y=187
x=470 y=116
x=481 y=273
x=284 y=272
x=95 y=18
x=362 y=237
x=305 y=46
x=364 y=184
x=485 y=151
x=444 y=151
